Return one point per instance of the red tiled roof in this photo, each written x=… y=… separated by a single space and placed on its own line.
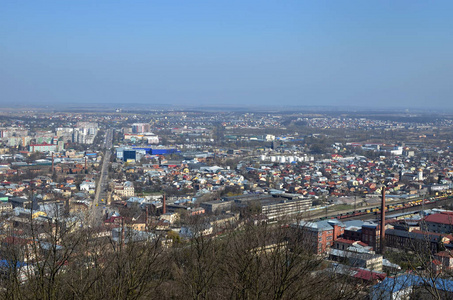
x=112 y=219
x=442 y=218
x=13 y=240
x=444 y=254
x=346 y=241
x=369 y=275
x=436 y=262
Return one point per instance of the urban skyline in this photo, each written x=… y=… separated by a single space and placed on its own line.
x=226 y=150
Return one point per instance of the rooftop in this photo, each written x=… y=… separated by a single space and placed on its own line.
x=442 y=218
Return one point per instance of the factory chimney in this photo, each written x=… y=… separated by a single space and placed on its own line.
x=146 y=218
x=382 y=241
x=164 y=207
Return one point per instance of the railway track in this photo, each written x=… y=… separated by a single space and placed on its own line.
x=370 y=212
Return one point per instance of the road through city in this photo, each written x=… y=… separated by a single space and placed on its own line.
x=101 y=189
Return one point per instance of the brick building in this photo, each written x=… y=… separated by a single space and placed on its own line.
x=321 y=235
x=371 y=235
x=416 y=240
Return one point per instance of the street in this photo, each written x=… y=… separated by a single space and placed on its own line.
x=100 y=198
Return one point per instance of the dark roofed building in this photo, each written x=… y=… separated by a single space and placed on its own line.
x=415 y=240
x=217 y=205
x=20 y=202
x=371 y=235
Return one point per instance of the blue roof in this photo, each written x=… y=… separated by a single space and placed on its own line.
x=353 y=223
x=5 y=264
x=402 y=282
x=316 y=226
x=50 y=246
x=335 y=222
x=369 y=225
x=396 y=284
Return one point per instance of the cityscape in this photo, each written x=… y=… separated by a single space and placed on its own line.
x=226 y=150
x=81 y=191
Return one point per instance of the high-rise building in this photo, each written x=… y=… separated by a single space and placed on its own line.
x=140 y=127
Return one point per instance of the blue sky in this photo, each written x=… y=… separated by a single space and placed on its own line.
x=305 y=53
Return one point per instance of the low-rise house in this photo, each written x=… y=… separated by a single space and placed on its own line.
x=6 y=207
x=171 y=217
x=358 y=275
x=190 y=231
x=362 y=260
x=124 y=235
x=87 y=186
x=124 y=189
x=345 y=244
x=443 y=261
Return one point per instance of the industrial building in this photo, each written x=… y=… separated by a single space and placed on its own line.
x=271 y=207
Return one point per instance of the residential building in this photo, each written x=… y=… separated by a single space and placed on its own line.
x=440 y=223
x=140 y=127
x=197 y=230
x=124 y=189
x=444 y=259
x=171 y=217
x=42 y=148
